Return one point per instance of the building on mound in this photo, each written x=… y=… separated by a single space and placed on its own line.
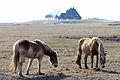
x=70 y=14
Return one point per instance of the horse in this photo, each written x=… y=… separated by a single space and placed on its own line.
x=31 y=49
x=90 y=47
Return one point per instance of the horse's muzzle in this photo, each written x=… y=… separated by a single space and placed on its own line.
x=55 y=64
x=103 y=66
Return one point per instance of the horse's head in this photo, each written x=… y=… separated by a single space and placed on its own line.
x=53 y=59
x=102 y=60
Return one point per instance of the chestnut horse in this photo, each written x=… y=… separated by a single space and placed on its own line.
x=90 y=47
x=31 y=49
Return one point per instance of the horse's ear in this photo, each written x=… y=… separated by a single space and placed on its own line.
x=56 y=52
x=37 y=41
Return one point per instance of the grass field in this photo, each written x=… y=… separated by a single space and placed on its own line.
x=62 y=38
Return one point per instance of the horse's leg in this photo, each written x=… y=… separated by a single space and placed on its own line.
x=92 y=57
x=79 y=59
x=96 y=61
x=28 y=67
x=39 y=60
x=22 y=59
x=85 y=59
x=20 y=69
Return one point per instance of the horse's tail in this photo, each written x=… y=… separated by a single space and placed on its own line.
x=79 y=53
x=77 y=59
x=15 y=58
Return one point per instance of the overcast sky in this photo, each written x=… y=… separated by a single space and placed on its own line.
x=27 y=10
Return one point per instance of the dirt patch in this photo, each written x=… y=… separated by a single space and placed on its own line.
x=62 y=38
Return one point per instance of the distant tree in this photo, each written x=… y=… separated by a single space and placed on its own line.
x=57 y=17
x=49 y=16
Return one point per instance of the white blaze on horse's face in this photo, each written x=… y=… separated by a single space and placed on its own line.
x=53 y=59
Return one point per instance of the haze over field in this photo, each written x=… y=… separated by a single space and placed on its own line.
x=28 y=10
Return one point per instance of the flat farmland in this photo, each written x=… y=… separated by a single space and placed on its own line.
x=63 y=38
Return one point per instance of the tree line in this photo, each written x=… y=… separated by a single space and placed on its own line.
x=51 y=16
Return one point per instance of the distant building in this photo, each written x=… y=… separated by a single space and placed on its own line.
x=70 y=14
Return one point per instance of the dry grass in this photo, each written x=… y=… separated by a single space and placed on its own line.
x=57 y=36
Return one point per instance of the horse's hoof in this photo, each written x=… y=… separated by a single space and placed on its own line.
x=91 y=67
x=86 y=67
x=21 y=75
x=96 y=69
x=41 y=73
x=80 y=67
x=27 y=73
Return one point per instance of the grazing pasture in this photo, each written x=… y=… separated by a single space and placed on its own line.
x=62 y=38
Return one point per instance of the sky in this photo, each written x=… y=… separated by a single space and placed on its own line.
x=28 y=10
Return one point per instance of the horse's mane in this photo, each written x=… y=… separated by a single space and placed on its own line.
x=100 y=47
x=46 y=46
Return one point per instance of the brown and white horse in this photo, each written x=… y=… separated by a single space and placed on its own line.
x=31 y=49
x=90 y=47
